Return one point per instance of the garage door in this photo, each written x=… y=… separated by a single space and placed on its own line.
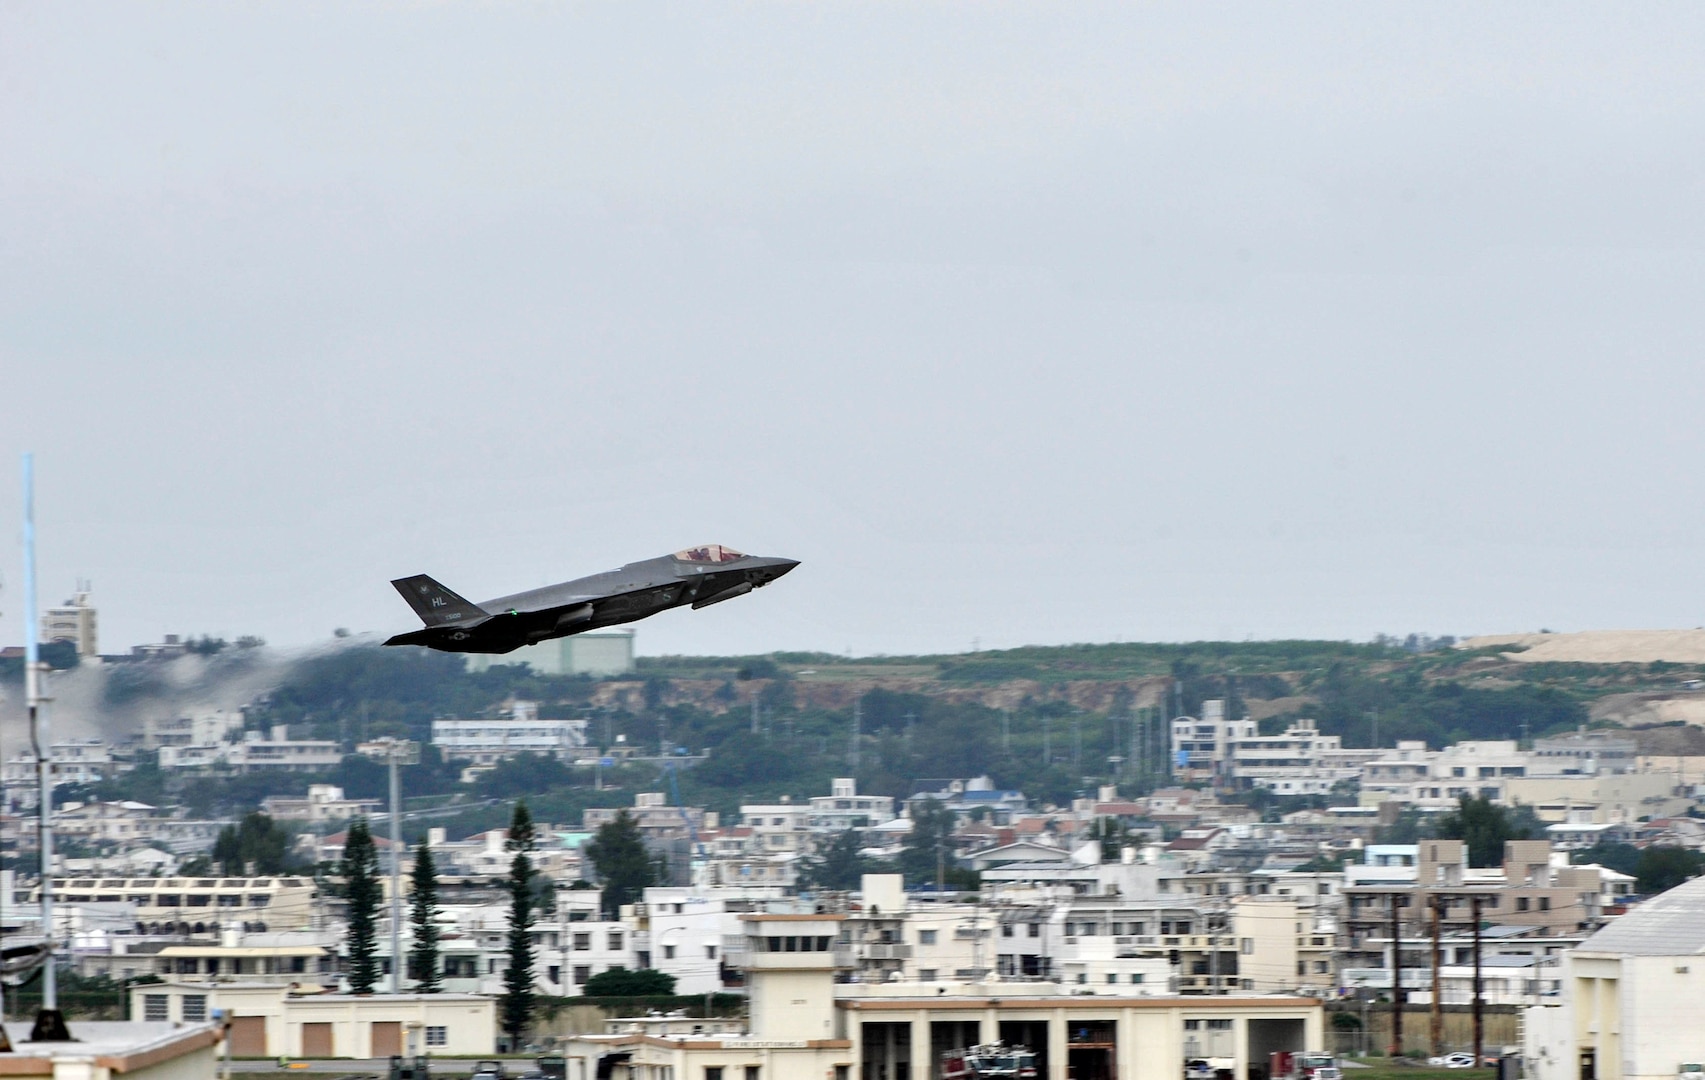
x=248 y=1036
x=317 y=1040
x=387 y=1038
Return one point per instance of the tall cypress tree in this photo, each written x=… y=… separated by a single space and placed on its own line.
x=618 y=854
x=518 y=976
x=423 y=915
x=361 y=885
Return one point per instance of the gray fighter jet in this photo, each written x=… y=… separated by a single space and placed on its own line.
x=699 y=576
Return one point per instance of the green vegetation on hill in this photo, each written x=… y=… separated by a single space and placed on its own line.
x=1049 y=721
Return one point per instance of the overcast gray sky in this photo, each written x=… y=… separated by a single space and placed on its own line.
x=1016 y=323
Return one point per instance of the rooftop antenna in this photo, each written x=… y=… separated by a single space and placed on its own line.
x=50 y=1022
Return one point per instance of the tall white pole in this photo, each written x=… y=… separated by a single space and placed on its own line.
x=396 y=878
x=39 y=735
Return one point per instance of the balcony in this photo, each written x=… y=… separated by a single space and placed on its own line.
x=887 y=952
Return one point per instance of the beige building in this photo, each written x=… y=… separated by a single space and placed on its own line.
x=73 y=621
x=806 y=1026
x=274 y=1020
x=1608 y=799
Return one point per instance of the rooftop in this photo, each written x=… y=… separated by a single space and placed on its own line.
x=1669 y=924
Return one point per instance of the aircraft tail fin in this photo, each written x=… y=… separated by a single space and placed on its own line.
x=436 y=605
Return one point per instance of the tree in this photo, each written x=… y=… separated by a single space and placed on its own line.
x=926 y=847
x=620 y=982
x=423 y=922
x=361 y=884
x=256 y=845
x=517 y=1005
x=1483 y=827
x=1664 y=866
x=623 y=865
x=839 y=864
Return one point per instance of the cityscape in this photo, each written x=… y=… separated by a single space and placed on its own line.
x=1238 y=875
x=553 y=540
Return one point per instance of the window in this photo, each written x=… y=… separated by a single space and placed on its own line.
x=1112 y=977
x=615 y=940
x=926 y=974
x=1545 y=903
x=668 y=952
x=713 y=1072
x=841 y=1071
x=1137 y=979
x=926 y=937
x=1035 y=929
x=1247 y=946
x=582 y=972
x=1071 y=929
x=754 y=1072
x=1521 y=903
x=1006 y=930
x=195 y=1007
x=710 y=952
x=1083 y=977
x=582 y=942
x=156 y=1007
x=437 y=1035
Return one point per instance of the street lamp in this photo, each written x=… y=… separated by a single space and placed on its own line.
x=396 y=752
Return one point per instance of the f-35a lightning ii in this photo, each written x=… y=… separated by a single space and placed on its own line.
x=699 y=576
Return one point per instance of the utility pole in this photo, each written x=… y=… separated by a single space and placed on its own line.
x=857 y=722
x=1438 y=1011
x=397 y=752
x=50 y=1023
x=1396 y=1047
x=1077 y=742
x=1474 y=903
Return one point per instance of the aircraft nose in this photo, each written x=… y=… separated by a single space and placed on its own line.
x=774 y=568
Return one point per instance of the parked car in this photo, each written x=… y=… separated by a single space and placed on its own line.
x=1458 y=1060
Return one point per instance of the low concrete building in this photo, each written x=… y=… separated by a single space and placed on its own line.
x=1632 y=1001
x=108 y=1050
x=275 y=1021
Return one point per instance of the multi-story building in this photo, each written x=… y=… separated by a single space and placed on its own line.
x=488 y=741
x=1201 y=746
x=324 y=802
x=1584 y=753
x=1301 y=761
x=74 y=621
x=655 y=817
x=75 y=761
x=207 y=728
x=844 y=808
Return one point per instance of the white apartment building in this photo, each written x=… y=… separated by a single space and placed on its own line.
x=207 y=728
x=1301 y=761
x=324 y=802
x=844 y=808
x=486 y=742
x=79 y=761
x=273 y=751
x=1202 y=746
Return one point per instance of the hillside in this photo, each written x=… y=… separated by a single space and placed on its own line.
x=1052 y=721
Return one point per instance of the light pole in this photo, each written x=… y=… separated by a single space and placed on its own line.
x=397 y=752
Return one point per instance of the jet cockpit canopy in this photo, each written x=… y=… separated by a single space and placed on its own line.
x=709 y=553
